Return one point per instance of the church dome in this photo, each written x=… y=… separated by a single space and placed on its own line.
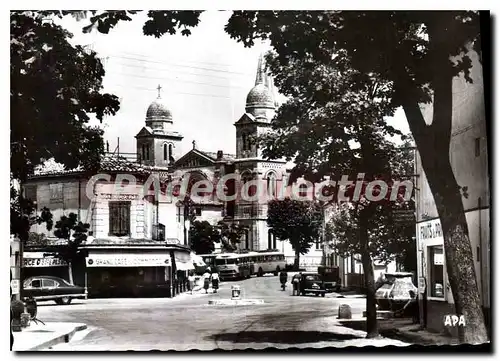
x=158 y=111
x=260 y=96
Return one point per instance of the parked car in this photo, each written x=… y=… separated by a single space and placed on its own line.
x=331 y=278
x=50 y=288
x=311 y=283
x=396 y=292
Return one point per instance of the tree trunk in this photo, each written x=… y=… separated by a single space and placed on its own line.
x=433 y=143
x=70 y=273
x=366 y=260
x=296 y=261
x=458 y=252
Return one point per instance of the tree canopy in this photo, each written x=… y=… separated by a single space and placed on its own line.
x=202 y=236
x=299 y=222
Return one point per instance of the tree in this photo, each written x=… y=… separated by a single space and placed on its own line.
x=230 y=235
x=202 y=237
x=54 y=86
x=23 y=215
x=418 y=53
x=74 y=233
x=411 y=52
x=297 y=221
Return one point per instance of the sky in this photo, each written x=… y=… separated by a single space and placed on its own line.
x=205 y=79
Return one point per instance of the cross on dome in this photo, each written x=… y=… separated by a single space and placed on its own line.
x=159 y=91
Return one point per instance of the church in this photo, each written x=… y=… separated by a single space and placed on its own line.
x=119 y=219
x=158 y=146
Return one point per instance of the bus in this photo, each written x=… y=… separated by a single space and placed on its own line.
x=233 y=266
x=209 y=260
x=267 y=262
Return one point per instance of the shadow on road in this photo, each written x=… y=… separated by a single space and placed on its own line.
x=285 y=337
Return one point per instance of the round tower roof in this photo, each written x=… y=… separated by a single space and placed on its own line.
x=260 y=96
x=158 y=111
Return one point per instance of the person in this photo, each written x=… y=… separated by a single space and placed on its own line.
x=191 y=280
x=206 y=280
x=283 y=278
x=296 y=284
x=215 y=281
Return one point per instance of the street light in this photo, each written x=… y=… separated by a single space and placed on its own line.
x=187 y=225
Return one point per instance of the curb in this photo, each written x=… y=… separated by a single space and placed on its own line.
x=63 y=338
x=235 y=302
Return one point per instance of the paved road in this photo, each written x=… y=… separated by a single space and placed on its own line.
x=188 y=322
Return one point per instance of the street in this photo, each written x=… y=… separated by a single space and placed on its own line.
x=188 y=322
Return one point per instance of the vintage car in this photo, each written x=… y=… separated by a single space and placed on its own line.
x=50 y=288
x=396 y=292
x=331 y=278
x=311 y=283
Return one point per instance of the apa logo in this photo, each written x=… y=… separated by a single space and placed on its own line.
x=454 y=320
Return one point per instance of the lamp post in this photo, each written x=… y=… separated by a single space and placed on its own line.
x=187 y=226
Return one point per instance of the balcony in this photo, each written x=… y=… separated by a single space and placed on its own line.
x=248 y=211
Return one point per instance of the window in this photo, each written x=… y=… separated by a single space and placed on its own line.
x=271 y=184
x=303 y=190
x=318 y=243
x=56 y=193
x=171 y=153
x=436 y=271
x=165 y=151
x=119 y=218
x=246 y=240
x=269 y=240
x=198 y=212
x=30 y=193
x=477 y=147
x=46 y=283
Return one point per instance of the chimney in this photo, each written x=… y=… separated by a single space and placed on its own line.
x=220 y=154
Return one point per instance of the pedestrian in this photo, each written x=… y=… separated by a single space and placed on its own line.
x=206 y=280
x=191 y=280
x=215 y=281
x=296 y=284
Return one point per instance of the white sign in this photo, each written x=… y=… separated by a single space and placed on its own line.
x=43 y=262
x=119 y=196
x=129 y=260
x=172 y=241
x=438 y=258
x=430 y=230
x=14 y=285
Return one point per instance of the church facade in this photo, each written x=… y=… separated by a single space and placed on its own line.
x=158 y=149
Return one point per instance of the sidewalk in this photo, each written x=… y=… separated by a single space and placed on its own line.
x=402 y=329
x=39 y=337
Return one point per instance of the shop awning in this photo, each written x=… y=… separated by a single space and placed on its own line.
x=129 y=260
x=197 y=260
x=183 y=261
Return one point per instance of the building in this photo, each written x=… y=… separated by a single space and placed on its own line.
x=469 y=161
x=122 y=217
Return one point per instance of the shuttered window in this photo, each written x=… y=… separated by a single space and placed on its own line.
x=119 y=218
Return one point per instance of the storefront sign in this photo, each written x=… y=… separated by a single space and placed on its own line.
x=43 y=262
x=119 y=197
x=129 y=260
x=430 y=230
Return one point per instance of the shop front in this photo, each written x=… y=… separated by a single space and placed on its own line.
x=41 y=264
x=114 y=273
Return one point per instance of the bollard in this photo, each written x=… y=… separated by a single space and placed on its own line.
x=235 y=292
x=345 y=312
